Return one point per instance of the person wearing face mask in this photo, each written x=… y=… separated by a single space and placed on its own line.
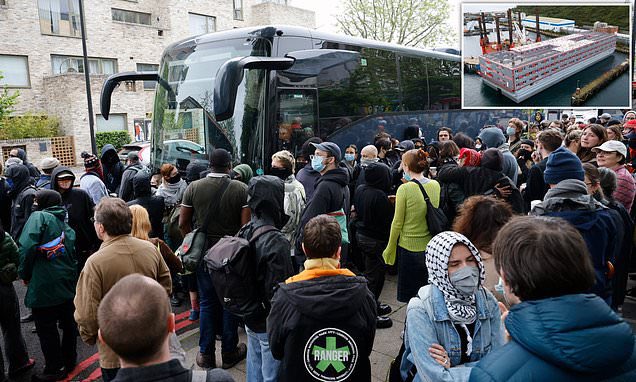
x=331 y=195
x=369 y=154
x=92 y=180
x=112 y=167
x=350 y=162
x=307 y=176
x=454 y=321
x=524 y=159
x=155 y=205
x=172 y=186
x=557 y=330
x=513 y=132
x=22 y=192
x=295 y=200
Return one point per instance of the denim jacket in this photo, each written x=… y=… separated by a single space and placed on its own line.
x=428 y=322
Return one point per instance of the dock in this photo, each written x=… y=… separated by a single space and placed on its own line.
x=582 y=95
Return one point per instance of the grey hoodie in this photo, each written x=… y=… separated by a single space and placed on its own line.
x=493 y=138
x=569 y=194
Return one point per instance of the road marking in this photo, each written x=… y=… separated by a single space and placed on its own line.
x=94 y=375
x=82 y=366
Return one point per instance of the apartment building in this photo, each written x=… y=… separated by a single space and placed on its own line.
x=41 y=50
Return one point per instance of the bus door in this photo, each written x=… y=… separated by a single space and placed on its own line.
x=296 y=120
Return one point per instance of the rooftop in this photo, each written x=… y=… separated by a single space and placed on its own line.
x=521 y=55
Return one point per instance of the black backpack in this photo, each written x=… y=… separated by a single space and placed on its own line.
x=231 y=263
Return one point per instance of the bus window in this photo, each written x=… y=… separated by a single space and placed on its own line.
x=288 y=44
x=414 y=81
x=296 y=119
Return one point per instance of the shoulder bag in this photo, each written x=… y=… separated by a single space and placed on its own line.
x=435 y=218
x=194 y=244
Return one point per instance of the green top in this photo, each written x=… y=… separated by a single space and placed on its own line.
x=409 y=221
x=9 y=259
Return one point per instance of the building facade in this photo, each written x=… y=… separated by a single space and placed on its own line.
x=41 y=51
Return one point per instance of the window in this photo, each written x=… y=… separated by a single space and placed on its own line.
x=3 y=2
x=201 y=24
x=70 y=64
x=238 y=9
x=148 y=85
x=131 y=17
x=60 y=17
x=15 y=70
x=115 y=122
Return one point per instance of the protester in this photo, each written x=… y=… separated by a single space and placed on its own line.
x=49 y=267
x=34 y=173
x=80 y=208
x=373 y=225
x=557 y=331
x=194 y=171
x=454 y=317
x=141 y=229
x=612 y=155
x=47 y=165
x=488 y=179
x=331 y=194
x=118 y=256
x=452 y=194
x=535 y=189
x=369 y=154
x=350 y=161
x=322 y=309
x=112 y=167
x=152 y=203
x=469 y=157
x=92 y=181
x=409 y=232
x=444 y=134
x=593 y=136
x=307 y=176
x=514 y=130
x=480 y=219
x=5 y=202
x=242 y=172
x=273 y=265
x=172 y=186
x=22 y=193
x=230 y=214
x=384 y=147
x=568 y=199
x=493 y=138
x=614 y=133
x=295 y=200
x=524 y=159
x=134 y=166
x=14 y=345
x=572 y=140
x=135 y=321
x=463 y=141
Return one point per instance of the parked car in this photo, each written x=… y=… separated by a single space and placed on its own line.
x=142 y=147
x=174 y=151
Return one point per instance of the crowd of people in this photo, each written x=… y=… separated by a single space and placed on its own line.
x=513 y=251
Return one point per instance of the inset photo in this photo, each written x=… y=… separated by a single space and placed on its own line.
x=546 y=56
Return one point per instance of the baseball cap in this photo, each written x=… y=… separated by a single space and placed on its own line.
x=405 y=146
x=220 y=158
x=610 y=146
x=329 y=147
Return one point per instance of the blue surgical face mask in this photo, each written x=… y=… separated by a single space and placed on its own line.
x=465 y=280
x=316 y=163
x=350 y=157
x=511 y=131
x=407 y=176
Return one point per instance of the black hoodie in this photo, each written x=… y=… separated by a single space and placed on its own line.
x=113 y=168
x=374 y=211
x=330 y=195
x=273 y=251
x=155 y=205
x=306 y=314
x=80 y=208
x=22 y=194
x=34 y=173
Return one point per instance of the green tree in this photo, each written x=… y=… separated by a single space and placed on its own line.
x=7 y=101
x=421 y=23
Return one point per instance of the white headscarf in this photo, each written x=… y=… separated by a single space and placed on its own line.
x=461 y=308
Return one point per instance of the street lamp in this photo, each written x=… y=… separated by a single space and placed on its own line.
x=91 y=122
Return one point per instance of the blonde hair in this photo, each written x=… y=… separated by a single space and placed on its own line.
x=140 y=222
x=287 y=158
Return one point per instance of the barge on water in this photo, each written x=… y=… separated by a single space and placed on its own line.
x=524 y=71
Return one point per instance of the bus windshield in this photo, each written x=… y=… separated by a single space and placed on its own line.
x=184 y=128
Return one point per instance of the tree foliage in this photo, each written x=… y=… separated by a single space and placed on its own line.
x=115 y=138
x=7 y=101
x=419 y=23
x=613 y=15
x=29 y=126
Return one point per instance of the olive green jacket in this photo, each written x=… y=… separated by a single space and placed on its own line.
x=9 y=259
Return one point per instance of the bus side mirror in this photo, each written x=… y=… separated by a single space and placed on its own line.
x=113 y=81
x=230 y=75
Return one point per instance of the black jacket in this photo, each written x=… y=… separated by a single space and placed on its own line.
x=535 y=185
x=113 y=168
x=126 y=188
x=5 y=206
x=22 y=195
x=305 y=314
x=374 y=212
x=272 y=249
x=330 y=195
x=34 y=173
x=480 y=181
x=80 y=208
x=155 y=205
x=170 y=371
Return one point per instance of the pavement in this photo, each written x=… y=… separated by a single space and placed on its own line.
x=385 y=347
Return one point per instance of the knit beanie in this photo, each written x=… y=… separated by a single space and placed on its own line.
x=90 y=160
x=563 y=164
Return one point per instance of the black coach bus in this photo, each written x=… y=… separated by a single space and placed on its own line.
x=254 y=91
